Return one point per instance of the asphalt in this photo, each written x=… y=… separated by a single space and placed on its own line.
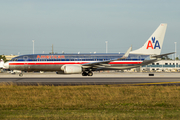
x=97 y=79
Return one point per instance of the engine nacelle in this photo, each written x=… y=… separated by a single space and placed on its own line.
x=71 y=69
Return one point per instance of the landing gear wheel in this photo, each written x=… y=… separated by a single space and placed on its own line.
x=20 y=74
x=84 y=74
x=90 y=74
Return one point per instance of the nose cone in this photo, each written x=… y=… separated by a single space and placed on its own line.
x=6 y=65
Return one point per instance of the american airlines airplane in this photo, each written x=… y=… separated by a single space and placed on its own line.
x=85 y=64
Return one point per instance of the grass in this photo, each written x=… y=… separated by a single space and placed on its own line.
x=89 y=102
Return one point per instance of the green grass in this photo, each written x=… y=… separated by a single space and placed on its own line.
x=89 y=102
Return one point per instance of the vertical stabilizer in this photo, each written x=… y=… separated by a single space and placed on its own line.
x=154 y=44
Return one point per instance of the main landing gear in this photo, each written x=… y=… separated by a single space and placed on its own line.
x=89 y=73
x=20 y=74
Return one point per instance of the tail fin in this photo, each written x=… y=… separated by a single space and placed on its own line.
x=1 y=64
x=154 y=44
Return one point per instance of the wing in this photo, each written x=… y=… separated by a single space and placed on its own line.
x=105 y=63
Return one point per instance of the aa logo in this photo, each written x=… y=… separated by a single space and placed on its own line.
x=153 y=44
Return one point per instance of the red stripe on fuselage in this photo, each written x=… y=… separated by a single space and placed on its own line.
x=125 y=62
x=62 y=63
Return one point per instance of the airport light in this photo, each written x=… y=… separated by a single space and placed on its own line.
x=106 y=46
x=33 y=46
x=175 y=54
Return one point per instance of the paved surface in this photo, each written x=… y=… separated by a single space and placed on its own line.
x=97 y=79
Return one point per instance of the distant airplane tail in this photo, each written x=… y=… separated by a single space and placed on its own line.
x=1 y=64
x=154 y=44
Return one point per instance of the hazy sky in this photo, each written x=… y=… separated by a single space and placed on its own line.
x=84 y=25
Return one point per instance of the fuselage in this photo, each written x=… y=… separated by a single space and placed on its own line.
x=54 y=62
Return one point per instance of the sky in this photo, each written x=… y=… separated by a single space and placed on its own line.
x=83 y=26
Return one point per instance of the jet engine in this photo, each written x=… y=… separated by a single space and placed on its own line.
x=71 y=69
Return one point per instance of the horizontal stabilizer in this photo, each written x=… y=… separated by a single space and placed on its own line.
x=145 y=62
x=162 y=55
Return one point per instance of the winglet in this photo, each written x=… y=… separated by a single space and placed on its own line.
x=127 y=53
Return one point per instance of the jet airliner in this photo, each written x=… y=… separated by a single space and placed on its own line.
x=85 y=64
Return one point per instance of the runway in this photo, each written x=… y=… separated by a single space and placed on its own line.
x=91 y=81
x=98 y=79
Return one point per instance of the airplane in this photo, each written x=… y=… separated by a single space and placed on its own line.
x=1 y=64
x=85 y=64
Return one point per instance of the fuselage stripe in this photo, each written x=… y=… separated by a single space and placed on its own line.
x=62 y=63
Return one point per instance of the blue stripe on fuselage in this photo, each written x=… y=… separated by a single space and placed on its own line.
x=78 y=57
